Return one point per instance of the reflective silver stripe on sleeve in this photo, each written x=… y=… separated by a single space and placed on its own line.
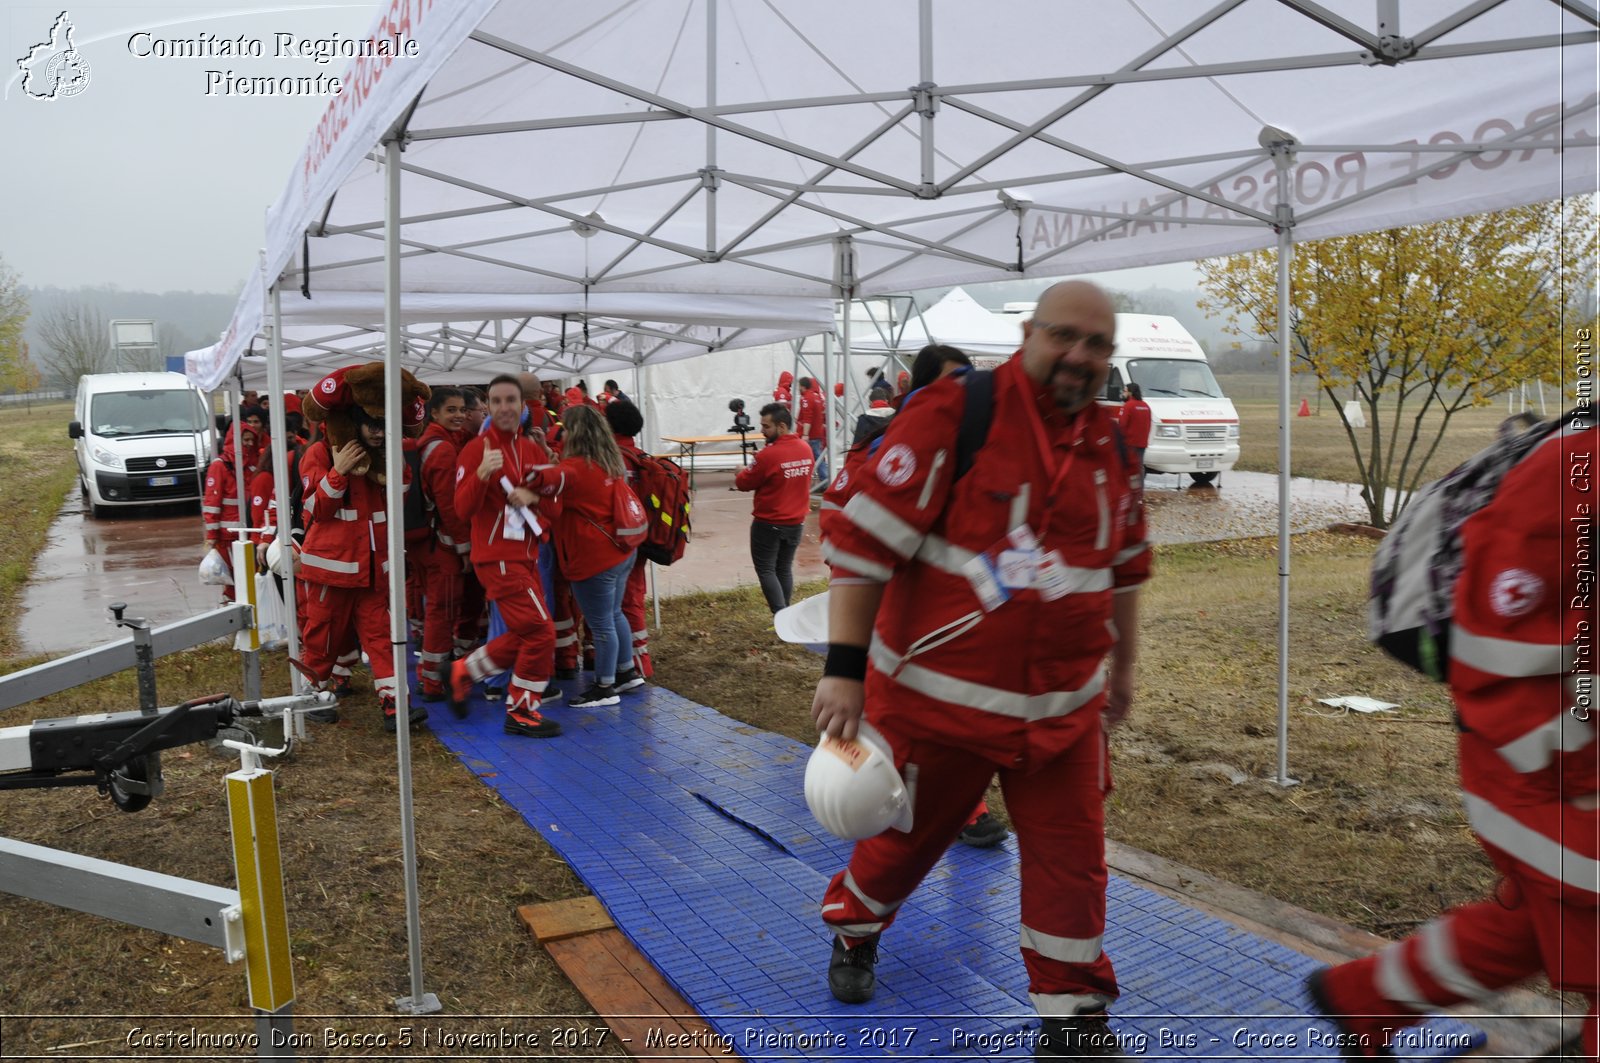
x=211 y=509
x=826 y=505
x=380 y=517
x=1128 y=553
x=329 y=564
x=878 y=908
x=445 y=540
x=326 y=488
x=1395 y=983
x=1505 y=657
x=948 y=557
x=979 y=696
x=1563 y=733
x=1440 y=957
x=1067 y=950
x=1545 y=855
x=877 y=521
x=872 y=570
x=346 y=514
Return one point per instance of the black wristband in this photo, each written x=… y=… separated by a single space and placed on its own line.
x=846 y=662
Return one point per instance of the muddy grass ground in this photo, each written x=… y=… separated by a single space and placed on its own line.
x=1372 y=836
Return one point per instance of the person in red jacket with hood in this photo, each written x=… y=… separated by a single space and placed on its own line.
x=219 y=506
x=781 y=393
x=345 y=557
x=437 y=554
x=491 y=495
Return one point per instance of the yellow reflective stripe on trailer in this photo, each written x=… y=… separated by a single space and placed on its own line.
x=253 y=818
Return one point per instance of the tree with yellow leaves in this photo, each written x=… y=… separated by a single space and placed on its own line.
x=1420 y=323
x=17 y=373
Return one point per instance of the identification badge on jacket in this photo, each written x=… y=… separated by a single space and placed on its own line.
x=1009 y=566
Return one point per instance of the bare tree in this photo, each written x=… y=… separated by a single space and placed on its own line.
x=77 y=341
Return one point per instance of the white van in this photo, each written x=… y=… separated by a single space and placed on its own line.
x=141 y=438
x=1194 y=428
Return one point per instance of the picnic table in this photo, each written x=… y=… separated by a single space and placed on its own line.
x=689 y=446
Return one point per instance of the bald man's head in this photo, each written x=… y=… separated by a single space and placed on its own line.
x=530 y=386
x=1067 y=346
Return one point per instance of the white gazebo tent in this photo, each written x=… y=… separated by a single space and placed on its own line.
x=838 y=149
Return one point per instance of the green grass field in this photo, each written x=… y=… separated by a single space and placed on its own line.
x=37 y=470
x=1318 y=443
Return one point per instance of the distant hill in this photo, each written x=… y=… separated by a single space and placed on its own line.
x=185 y=321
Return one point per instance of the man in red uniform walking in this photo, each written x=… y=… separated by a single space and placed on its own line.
x=781 y=478
x=1135 y=421
x=968 y=670
x=505 y=555
x=1523 y=676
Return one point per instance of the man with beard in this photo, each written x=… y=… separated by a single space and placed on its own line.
x=972 y=670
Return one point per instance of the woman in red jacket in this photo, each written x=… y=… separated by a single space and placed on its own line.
x=589 y=546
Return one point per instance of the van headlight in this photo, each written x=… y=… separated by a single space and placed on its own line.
x=1169 y=431
x=1233 y=431
x=106 y=458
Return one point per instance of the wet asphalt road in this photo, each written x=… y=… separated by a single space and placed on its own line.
x=148 y=558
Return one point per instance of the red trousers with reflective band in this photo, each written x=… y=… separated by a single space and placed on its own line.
x=564 y=610
x=1468 y=953
x=437 y=570
x=1057 y=810
x=472 y=619
x=527 y=648
x=331 y=614
x=633 y=613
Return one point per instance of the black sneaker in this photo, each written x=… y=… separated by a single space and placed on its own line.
x=1352 y=1045
x=528 y=722
x=632 y=679
x=1085 y=1036
x=985 y=832
x=326 y=714
x=417 y=713
x=850 y=975
x=494 y=693
x=569 y=672
x=552 y=695
x=595 y=697
x=458 y=689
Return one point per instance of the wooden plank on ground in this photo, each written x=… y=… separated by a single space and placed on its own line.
x=648 y=1016
x=555 y=920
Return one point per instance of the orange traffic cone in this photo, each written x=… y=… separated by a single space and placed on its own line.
x=1305 y=409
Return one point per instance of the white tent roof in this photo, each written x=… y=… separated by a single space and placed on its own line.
x=784 y=148
x=460 y=338
x=957 y=319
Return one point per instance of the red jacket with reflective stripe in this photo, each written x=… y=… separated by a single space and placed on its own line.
x=347 y=536
x=219 y=504
x=1521 y=643
x=781 y=478
x=483 y=504
x=1023 y=681
x=438 y=449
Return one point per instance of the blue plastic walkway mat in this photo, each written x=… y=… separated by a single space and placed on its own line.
x=691 y=828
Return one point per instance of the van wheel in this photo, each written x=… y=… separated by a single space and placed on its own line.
x=1202 y=477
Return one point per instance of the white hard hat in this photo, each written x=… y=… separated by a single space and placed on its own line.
x=278 y=558
x=214 y=570
x=805 y=623
x=853 y=789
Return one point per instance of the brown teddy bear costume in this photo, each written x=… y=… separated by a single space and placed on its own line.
x=341 y=399
x=346 y=553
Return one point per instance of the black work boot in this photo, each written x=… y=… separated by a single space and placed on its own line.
x=850 y=976
x=1085 y=1036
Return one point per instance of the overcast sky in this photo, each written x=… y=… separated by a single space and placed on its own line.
x=142 y=180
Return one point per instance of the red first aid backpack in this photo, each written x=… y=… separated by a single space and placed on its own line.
x=664 y=491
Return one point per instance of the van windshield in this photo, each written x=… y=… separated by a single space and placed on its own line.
x=1173 y=376
x=145 y=413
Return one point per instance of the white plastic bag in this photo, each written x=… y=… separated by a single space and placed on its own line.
x=214 y=570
